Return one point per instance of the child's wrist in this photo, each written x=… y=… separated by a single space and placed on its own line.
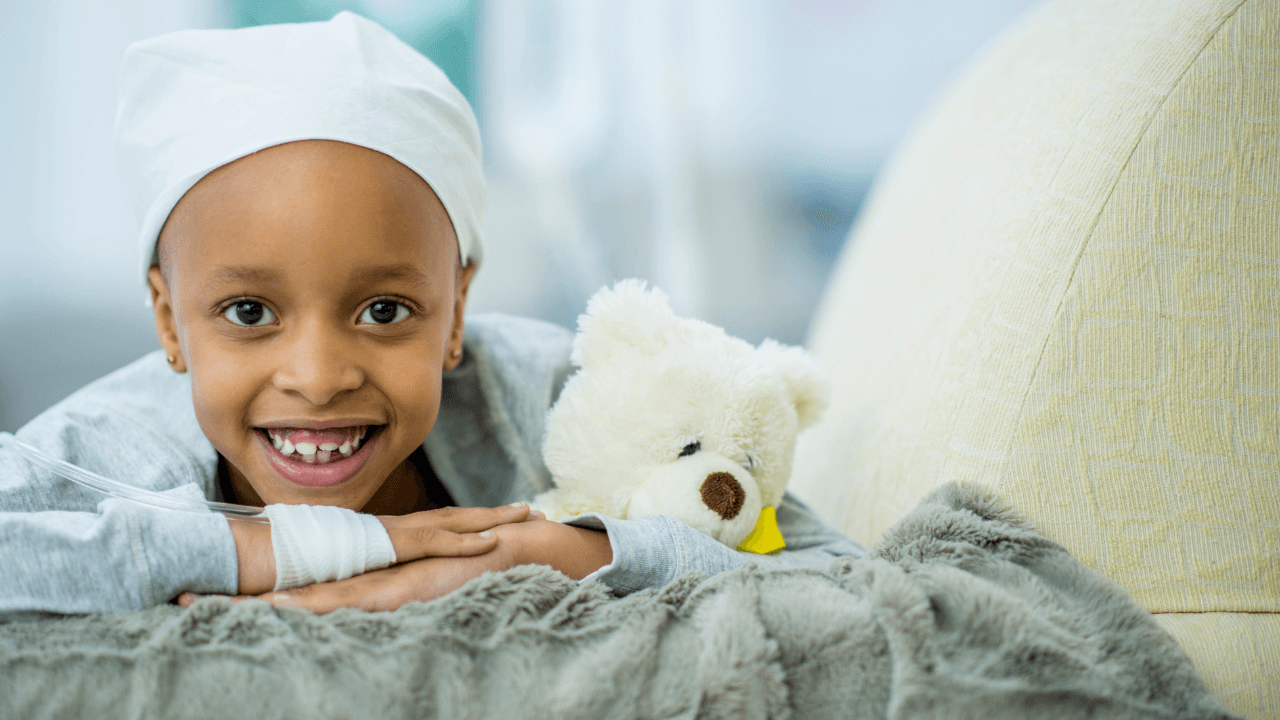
x=578 y=552
x=254 y=556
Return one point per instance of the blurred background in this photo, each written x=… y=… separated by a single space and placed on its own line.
x=720 y=149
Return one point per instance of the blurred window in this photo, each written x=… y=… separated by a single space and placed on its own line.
x=443 y=30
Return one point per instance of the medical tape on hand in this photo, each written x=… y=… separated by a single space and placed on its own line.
x=319 y=543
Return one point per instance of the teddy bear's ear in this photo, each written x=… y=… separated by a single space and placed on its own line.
x=625 y=316
x=803 y=377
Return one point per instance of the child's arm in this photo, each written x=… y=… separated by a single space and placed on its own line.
x=653 y=551
x=69 y=550
x=577 y=552
x=126 y=557
x=633 y=555
x=65 y=549
x=61 y=562
x=444 y=533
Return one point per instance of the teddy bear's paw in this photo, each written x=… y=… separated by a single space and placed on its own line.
x=548 y=504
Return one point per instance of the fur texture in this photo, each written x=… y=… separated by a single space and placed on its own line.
x=661 y=404
x=962 y=611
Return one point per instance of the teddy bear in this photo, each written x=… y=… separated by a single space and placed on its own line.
x=673 y=416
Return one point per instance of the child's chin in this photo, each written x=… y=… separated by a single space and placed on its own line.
x=351 y=498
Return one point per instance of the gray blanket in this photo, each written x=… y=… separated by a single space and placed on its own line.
x=960 y=611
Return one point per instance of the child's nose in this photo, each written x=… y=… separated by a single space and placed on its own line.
x=318 y=364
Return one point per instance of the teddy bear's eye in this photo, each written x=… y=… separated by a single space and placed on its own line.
x=691 y=448
x=751 y=463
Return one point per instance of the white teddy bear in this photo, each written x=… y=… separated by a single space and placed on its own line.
x=672 y=416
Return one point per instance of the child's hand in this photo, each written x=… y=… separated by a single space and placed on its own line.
x=577 y=552
x=447 y=532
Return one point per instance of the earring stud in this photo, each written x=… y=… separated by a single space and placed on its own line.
x=171 y=359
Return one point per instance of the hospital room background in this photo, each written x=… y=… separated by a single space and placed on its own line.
x=719 y=149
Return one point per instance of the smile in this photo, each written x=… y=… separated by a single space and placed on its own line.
x=317 y=446
x=318 y=457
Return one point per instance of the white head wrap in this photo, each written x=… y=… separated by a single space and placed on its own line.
x=195 y=100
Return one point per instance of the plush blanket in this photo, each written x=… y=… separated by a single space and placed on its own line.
x=960 y=611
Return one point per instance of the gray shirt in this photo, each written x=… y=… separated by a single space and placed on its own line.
x=65 y=549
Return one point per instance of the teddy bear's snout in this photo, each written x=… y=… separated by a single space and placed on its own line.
x=723 y=494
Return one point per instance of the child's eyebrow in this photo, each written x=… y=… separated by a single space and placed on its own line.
x=403 y=271
x=241 y=274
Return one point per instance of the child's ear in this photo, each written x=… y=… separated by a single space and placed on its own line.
x=453 y=353
x=166 y=324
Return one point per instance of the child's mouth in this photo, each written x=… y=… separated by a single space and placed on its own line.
x=318 y=458
x=318 y=446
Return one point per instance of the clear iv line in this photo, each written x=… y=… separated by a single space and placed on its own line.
x=94 y=481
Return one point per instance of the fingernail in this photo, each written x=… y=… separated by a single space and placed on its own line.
x=486 y=534
x=519 y=504
x=282 y=598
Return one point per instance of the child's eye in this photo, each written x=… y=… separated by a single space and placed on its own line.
x=384 y=312
x=249 y=313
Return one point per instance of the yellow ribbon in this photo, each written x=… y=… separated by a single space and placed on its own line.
x=766 y=537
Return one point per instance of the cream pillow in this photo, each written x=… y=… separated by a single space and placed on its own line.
x=1067 y=287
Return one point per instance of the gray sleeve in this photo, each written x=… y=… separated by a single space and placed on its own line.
x=125 y=557
x=653 y=551
x=65 y=549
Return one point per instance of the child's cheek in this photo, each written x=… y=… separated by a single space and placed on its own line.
x=224 y=389
x=418 y=402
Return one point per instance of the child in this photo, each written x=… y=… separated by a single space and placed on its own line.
x=312 y=197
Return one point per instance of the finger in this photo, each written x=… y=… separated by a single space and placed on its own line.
x=388 y=589
x=319 y=603
x=413 y=543
x=373 y=592
x=462 y=519
x=187 y=599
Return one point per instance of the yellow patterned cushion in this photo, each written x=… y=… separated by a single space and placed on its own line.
x=1237 y=654
x=1067 y=287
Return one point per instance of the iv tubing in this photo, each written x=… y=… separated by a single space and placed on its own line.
x=94 y=481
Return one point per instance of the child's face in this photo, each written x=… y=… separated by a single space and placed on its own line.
x=312 y=290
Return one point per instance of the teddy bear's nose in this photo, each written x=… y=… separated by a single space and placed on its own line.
x=722 y=493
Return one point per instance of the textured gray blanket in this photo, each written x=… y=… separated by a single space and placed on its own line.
x=961 y=611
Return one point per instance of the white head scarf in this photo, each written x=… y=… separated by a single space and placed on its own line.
x=195 y=100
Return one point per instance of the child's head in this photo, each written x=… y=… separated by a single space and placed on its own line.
x=312 y=195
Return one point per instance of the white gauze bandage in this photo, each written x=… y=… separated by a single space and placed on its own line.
x=319 y=543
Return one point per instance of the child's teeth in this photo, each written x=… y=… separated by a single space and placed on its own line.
x=313 y=452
